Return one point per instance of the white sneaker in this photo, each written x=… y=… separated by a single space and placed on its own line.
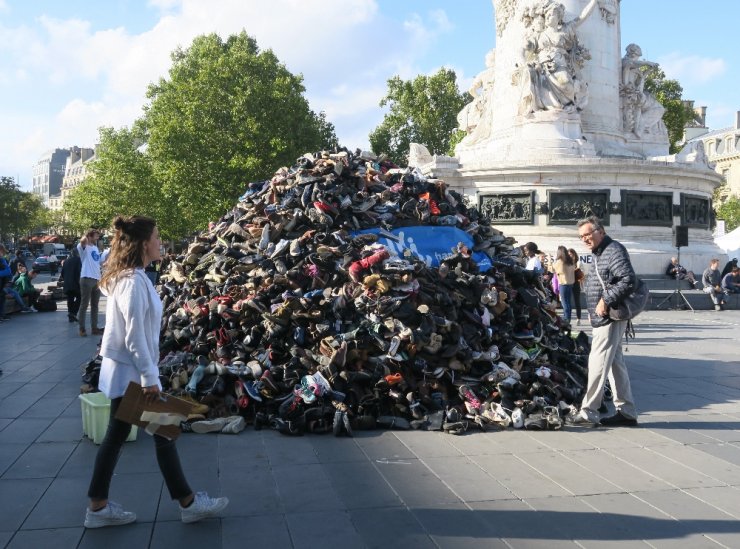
x=202 y=507
x=110 y=515
x=209 y=425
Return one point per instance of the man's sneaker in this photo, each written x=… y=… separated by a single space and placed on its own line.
x=110 y=515
x=203 y=507
x=618 y=420
x=210 y=425
x=578 y=420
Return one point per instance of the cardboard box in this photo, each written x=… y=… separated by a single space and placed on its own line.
x=161 y=416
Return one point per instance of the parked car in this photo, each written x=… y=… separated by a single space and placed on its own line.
x=42 y=263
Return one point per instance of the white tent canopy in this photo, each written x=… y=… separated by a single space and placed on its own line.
x=730 y=243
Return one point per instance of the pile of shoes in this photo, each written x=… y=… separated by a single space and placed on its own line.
x=291 y=313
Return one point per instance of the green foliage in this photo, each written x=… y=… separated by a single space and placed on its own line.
x=120 y=183
x=668 y=93
x=228 y=114
x=20 y=212
x=729 y=211
x=423 y=110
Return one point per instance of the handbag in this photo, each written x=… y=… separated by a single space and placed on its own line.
x=633 y=304
x=579 y=275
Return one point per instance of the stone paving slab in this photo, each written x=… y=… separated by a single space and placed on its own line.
x=673 y=482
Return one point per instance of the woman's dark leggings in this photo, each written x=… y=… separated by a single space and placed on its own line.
x=110 y=450
x=577 y=298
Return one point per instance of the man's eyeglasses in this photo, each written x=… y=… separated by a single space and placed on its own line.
x=584 y=236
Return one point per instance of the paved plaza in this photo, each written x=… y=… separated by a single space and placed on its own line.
x=673 y=482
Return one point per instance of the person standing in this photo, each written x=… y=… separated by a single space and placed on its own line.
x=577 y=284
x=71 y=269
x=712 y=280
x=89 y=278
x=130 y=352
x=565 y=270
x=609 y=281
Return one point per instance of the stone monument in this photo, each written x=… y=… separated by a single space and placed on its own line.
x=561 y=127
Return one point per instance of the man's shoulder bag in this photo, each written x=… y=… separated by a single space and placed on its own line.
x=633 y=304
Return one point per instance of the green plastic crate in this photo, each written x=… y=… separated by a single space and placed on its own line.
x=95 y=414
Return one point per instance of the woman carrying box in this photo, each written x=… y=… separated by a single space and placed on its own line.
x=130 y=351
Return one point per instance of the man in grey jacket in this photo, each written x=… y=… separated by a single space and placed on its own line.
x=609 y=281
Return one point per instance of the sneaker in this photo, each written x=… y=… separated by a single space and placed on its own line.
x=210 y=425
x=33 y=309
x=618 y=420
x=110 y=515
x=28 y=310
x=578 y=420
x=203 y=507
x=235 y=425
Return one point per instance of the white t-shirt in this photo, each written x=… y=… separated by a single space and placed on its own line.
x=534 y=263
x=90 y=257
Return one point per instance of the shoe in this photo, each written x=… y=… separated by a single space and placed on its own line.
x=83 y=333
x=578 y=322
x=716 y=308
x=578 y=420
x=210 y=425
x=235 y=425
x=27 y=310
x=110 y=515
x=72 y=318
x=98 y=331
x=33 y=309
x=202 y=507
x=618 y=420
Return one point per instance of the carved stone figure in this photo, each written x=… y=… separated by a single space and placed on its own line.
x=476 y=116
x=641 y=112
x=693 y=152
x=504 y=11
x=419 y=155
x=608 y=9
x=549 y=76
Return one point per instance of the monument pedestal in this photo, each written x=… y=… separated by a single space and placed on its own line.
x=639 y=201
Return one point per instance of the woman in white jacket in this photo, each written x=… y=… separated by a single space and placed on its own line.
x=130 y=351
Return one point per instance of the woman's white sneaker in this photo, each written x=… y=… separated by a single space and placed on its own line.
x=110 y=515
x=203 y=507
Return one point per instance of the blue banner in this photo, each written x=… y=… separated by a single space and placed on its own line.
x=431 y=244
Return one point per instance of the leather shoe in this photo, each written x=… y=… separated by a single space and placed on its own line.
x=98 y=331
x=618 y=420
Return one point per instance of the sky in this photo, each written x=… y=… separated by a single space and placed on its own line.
x=68 y=68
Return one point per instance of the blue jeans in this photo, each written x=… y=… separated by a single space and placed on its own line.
x=15 y=295
x=566 y=299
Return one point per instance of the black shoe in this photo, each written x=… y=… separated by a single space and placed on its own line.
x=618 y=420
x=72 y=318
x=579 y=421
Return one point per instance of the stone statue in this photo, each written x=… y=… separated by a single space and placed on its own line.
x=641 y=112
x=549 y=76
x=503 y=11
x=608 y=9
x=419 y=155
x=476 y=116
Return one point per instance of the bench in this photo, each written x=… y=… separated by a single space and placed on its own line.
x=662 y=286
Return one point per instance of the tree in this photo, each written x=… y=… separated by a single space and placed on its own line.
x=20 y=212
x=121 y=183
x=729 y=211
x=668 y=93
x=423 y=110
x=227 y=114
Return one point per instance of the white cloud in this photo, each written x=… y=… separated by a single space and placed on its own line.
x=345 y=49
x=692 y=69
